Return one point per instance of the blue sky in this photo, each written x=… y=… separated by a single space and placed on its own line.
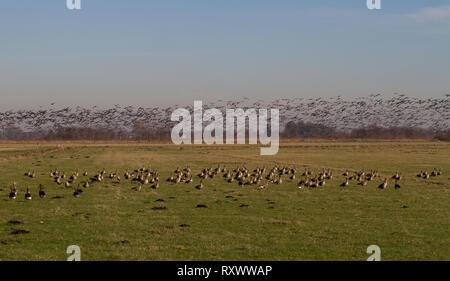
x=145 y=52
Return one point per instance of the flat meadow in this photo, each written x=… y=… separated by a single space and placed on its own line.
x=111 y=221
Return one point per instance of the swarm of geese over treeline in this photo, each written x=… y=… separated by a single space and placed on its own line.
x=343 y=115
x=260 y=178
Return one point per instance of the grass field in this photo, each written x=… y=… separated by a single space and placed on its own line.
x=112 y=222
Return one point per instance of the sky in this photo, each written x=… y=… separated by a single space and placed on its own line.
x=146 y=52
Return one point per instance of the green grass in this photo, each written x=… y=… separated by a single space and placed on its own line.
x=112 y=222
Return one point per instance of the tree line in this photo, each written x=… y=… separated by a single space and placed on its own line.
x=292 y=130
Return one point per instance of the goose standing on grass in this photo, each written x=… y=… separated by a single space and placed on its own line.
x=189 y=180
x=383 y=185
x=363 y=182
x=41 y=191
x=396 y=186
x=137 y=188
x=28 y=194
x=78 y=191
x=279 y=180
x=200 y=186
x=13 y=193
x=345 y=183
x=434 y=172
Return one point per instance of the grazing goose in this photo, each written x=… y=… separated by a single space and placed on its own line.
x=264 y=185
x=28 y=194
x=41 y=191
x=301 y=184
x=137 y=188
x=396 y=186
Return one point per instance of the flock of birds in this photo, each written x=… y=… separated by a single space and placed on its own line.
x=341 y=113
x=259 y=178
